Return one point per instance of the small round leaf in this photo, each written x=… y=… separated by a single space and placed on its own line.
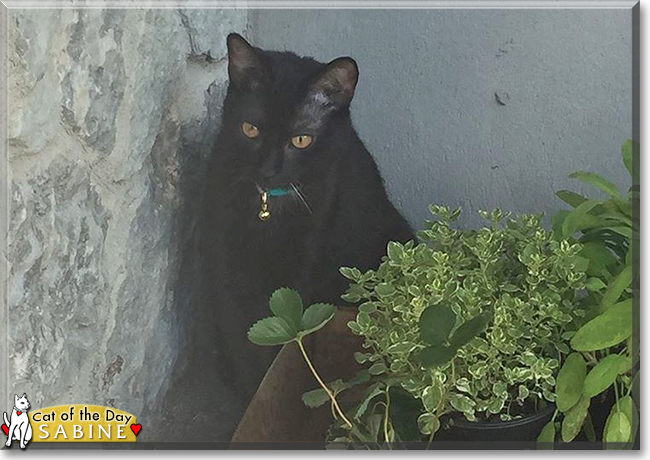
x=605 y=330
x=428 y=423
x=436 y=355
x=547 y=435
x=603 y=374
x=395 y=251
x=436 y=322
x=470 y=329
x=570 y=381
x=574 y=419
x=315 y=398
x=618 y=428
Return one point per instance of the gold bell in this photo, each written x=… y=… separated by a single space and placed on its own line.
x=264 y=214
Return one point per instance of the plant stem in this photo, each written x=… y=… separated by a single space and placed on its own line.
x=592 y=359
x=322 y=384
x=442 y=402
x=332 y=411
x=430 y=439
x=386 y=414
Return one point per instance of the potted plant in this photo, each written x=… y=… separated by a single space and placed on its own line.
x=461 y=333
x=469 y=324
x=599 y=376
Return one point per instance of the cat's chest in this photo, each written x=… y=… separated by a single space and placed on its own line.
x=268 y=256
x=277 y=238
x=273 y=252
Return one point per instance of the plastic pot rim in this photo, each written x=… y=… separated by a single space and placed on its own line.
x=501 y=425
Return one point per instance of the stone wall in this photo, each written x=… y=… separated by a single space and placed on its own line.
x=110 y=117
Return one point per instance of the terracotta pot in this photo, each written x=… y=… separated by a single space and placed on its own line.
x=276 y=413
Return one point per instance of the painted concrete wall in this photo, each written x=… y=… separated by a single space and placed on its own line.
x=426 y=105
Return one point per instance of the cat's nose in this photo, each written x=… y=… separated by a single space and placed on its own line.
x=272 y=166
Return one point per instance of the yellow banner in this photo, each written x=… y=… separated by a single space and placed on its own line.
x=83 y=423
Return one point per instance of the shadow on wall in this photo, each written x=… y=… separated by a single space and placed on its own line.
x=194 y=380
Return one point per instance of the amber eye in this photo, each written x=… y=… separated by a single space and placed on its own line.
x=249 y=130
x=301 y=142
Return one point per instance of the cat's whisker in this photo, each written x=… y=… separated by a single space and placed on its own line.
x=302 y=198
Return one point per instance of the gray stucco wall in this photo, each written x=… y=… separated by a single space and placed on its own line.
x=110 y=115
x=426 y=107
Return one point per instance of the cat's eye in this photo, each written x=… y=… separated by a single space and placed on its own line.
x=302 y=142
x=250 y=130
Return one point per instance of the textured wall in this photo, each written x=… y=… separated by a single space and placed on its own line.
x=110 y=114
x=426 y=105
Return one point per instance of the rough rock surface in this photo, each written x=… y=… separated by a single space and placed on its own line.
x=111 y=113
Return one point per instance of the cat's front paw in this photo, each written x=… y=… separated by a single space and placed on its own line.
x=8 y=443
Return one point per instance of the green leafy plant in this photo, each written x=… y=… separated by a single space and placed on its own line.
x=606 y=348
x=467 y=322
x=291 y=324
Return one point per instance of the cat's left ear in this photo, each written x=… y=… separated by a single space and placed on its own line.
x=337 y=82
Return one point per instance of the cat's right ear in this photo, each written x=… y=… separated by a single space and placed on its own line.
x=246 y=69
x=336 y=83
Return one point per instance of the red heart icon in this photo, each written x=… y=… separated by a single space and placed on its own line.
x=136 y=427
x=5 y=428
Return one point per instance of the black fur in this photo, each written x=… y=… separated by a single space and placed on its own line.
x=351 y=218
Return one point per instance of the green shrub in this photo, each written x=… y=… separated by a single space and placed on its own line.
x=469 y=321
x=606 y=347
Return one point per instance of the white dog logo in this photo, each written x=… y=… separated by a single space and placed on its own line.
x=19 y=427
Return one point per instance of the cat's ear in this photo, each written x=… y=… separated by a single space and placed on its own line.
x=245 y=66
x=337 y=82
x=16 y=398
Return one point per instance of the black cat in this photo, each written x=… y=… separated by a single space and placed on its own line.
x=286 y=133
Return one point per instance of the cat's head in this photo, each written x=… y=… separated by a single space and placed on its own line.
x=284 y=116
x=21 y=403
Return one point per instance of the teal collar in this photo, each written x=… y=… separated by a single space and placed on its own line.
x=264 y=213
x=279 y=191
